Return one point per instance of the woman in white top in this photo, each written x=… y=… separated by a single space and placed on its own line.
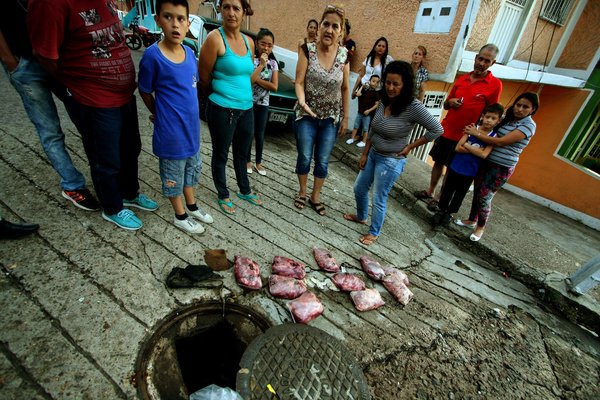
x=374 y=64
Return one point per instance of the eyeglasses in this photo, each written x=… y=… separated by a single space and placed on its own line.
x=336 y=9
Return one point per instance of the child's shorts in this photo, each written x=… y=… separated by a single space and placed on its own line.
x=177 y=174
x=364 y=120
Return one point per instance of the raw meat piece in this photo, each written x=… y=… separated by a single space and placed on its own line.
x=306 y=308
x=395 y=285
x=247 y=273
x=287 y=267
x=368 y=299
x=372 y=268
x=325 y=260
x=396 y=271
x=348 y=282
x=286 y=287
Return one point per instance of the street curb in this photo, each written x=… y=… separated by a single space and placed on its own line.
x=550 y=288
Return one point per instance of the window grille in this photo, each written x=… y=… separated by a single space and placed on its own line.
x=556 y=11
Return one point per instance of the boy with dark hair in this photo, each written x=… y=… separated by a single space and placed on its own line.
x=368 y=100
x=169 y=70
x=470 y=151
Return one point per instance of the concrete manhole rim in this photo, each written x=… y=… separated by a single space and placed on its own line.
x=175 y=317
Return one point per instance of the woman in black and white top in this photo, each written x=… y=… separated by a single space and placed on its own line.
x=512 y=136
x=384 y=155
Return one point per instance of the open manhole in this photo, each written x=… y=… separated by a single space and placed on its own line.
x=196 y=347
x=229 y=345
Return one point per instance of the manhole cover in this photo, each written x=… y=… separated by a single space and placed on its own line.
x=300 y=362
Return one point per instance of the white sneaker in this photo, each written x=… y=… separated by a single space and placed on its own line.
x=200 y=214
x=248 y=170
x=189 y=225
x=361 y=144
x=350 y=141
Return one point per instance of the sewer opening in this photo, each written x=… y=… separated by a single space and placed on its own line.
x=195 y=347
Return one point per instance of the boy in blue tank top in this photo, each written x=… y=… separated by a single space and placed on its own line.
x=469 y=153
x=169 y=70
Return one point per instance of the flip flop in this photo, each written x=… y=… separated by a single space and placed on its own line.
x=354 y=218
x=368 y=239
x=422 y=195
x=318 y=207
x=300 y=202
x=229 y=204
x=250 y=198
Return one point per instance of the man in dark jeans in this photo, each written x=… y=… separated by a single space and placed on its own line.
x=33 y=84
x=82 y=43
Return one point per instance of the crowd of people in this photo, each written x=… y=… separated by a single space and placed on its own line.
x=77 y=51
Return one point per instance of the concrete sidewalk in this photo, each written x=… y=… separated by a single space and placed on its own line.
x=524 y=240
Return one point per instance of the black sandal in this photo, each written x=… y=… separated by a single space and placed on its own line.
x=300 y=202
x=318 y=207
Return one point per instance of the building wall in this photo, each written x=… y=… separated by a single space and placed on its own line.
x=584 y=41
x=484 y=22
x=369 y=20
x=547 y=35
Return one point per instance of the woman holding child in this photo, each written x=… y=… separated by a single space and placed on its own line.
x=322 y=90
x=226 y=72
x=374 y=64
x=384 y=155
x=512 y=136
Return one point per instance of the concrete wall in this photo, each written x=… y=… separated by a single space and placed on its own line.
x=369 y=19
x=584 y=41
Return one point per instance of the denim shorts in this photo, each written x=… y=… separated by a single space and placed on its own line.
x=364 y=120
x=177 y=174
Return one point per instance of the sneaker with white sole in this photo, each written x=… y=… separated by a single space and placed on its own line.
x=189 y=225
x=82 y=198
x=200 y=214
x=142 y=202
x=350 y=141
x=361 y=144
x=125 y=219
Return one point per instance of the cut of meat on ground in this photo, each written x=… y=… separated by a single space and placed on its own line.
x=395 y=285
x=247 y=273
x=306 y=308
x=372 y=268
x=366 y=300
x=325 y=260
x=286 y=287
x=348 y=282
x=287 y=267
x=395 y=271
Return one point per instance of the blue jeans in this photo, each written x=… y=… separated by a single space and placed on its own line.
x=260 y=124
x=362 y=120
x=229 y=127
x=177 y=174
x=111 y=139
x=318 y=136
x=31 y=82
x=380 y=172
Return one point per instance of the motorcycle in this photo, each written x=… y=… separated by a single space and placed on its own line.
x=140 y=35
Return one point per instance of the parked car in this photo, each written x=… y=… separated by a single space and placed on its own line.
x=281 y=102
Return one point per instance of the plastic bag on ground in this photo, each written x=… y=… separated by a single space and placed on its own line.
x=395 y=271
x=287 y=267
x=214 y=392
x=372 y=268
x=286 y=287
x=395 y=285
x=247 y=273
x=306 y=308
x=366 y=300
x=348 y=282
x=325 y=260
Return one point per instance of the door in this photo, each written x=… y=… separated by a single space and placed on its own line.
x=508 y=27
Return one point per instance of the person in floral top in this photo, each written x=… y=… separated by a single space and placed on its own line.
x=322 y=107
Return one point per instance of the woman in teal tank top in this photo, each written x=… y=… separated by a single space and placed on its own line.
x=226 y=72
